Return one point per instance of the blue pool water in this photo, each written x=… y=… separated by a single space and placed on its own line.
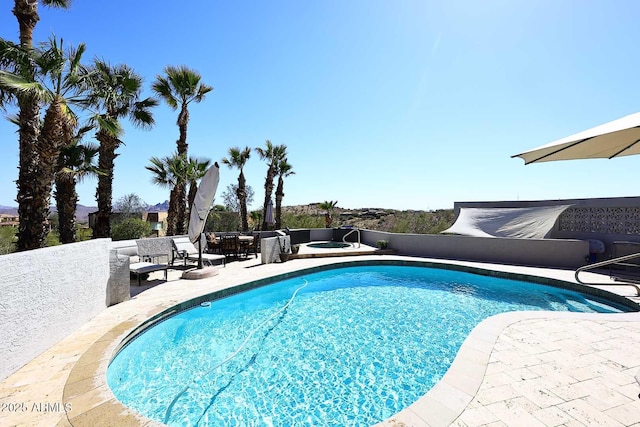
x=355 y=346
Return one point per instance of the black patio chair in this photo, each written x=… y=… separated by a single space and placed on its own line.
x=229 y=246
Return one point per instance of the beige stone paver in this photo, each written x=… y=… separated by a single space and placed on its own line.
x=573 y=385
x=535 y=368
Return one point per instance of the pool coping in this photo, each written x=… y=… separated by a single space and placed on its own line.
x=92 y=402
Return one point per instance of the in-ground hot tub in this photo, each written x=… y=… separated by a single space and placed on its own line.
x=328 y=245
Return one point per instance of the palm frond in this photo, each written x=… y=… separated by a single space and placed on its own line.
x=15 y=57
x=19 y=85
x=162 y=88
x=180 y=85
x=63 y=4
x=108 y=124
x=203 y=90
x=13 y=118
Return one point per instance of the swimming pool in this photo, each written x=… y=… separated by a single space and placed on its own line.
x=355 y=346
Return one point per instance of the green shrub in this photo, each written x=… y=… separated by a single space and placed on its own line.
x=52 y=239
x=130 y=228
x=302 y=221
x=83 y=233
x=223 y=221
x=8 y=240
x=420 y=222
x=382 y=244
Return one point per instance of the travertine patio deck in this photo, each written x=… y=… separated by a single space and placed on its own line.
x=538 y=369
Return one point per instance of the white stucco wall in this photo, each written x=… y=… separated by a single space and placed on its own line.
x=46 y=294
x=270 y=248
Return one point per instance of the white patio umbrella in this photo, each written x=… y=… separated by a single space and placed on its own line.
x=613 y=139
x=202 y=205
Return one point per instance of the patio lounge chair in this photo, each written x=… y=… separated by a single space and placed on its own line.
x=148 y=261
x=187 y=251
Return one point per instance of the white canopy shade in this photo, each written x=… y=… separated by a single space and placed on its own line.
x=521 y=223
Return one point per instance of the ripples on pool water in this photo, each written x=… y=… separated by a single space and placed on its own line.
x=357 y=345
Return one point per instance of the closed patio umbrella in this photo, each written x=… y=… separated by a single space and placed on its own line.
x=202 y=205
x=613 y=139
x=268 y=218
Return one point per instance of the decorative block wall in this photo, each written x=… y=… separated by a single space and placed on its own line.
x=614 y=220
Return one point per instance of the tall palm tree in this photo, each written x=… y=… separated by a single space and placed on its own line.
x=26 y=12
x=272 y=154
x=55 y=83
x=196 y=169
x=328 y=206
x=238 y=158
x=284 y=169
x=114 y=91
x=76 y=162
x=178 y=88
x=170 y=172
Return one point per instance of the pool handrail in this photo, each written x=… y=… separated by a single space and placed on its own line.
x=609 y=262
x=344 y=238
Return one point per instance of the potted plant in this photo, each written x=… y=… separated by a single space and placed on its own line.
x=382 y=244
x=284 y=252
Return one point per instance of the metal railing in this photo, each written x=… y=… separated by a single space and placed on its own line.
x=610 y=262
x=344 y=238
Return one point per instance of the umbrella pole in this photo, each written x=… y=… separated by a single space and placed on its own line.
x=200 y=252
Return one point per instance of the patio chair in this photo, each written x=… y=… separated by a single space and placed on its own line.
x=254 y=245
x=213 y=246
x=149 y=256
x=229 y=246
x=187 y=251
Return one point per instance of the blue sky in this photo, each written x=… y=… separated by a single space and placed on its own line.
x=394 y=104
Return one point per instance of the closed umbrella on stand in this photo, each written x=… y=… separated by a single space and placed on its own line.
x=202 y=205
x=269 y=214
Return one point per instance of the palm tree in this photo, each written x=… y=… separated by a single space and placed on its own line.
x=238 y=158
x=178 y=88
x=115 y=92
x=255 y=218
x=26 y=12
x=328 y=206
x=170 y=172
x=55 y=83
x=76 y=162
x=284 y=169
x=272 y=154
